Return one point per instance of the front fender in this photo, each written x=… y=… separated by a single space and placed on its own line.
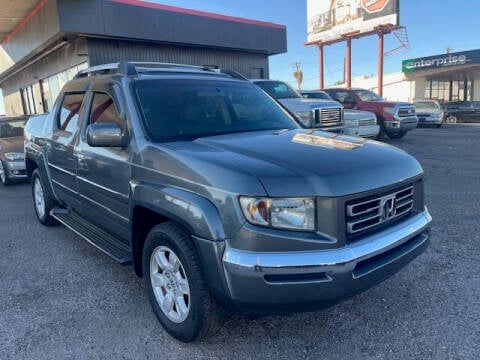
x=193 y=211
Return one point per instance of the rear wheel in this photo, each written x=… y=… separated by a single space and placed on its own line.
x=175 y=285
x=43 y=202
x=3 y=175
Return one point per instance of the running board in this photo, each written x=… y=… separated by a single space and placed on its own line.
x=97 y=237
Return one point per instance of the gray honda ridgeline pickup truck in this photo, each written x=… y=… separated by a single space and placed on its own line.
x=217 y=195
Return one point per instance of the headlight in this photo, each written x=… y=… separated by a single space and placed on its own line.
x=12 y=156
x=281 y=213
x=306 y=117
x=389 y=110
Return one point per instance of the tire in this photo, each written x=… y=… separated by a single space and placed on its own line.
x=452 y=119
x=381 y=133
x=397 y=135
x=4 y=179
x=43 y=201
x=195 y=313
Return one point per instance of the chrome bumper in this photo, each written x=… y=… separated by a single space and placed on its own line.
x=363 y=131
x=402 y=124
x=327 y=275
x=16 y=170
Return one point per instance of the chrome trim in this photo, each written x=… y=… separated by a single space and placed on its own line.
x=250 y=263
x=105 y=208
x=64 y=187
x=61 y=169
x=103 y=187
x=377 y=207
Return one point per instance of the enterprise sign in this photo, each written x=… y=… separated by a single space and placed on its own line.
x=441 y=61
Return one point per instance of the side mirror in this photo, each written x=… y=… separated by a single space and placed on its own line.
x=106 y=135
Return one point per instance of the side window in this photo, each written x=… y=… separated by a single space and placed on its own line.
x=68 y=115
x=104 y=111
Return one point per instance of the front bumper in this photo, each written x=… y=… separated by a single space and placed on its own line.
x=369 y=131
x=289 y=281
x=401 y=124
x=15 y=170
x=430 y=120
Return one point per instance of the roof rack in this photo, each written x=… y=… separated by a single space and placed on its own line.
x=130 y=68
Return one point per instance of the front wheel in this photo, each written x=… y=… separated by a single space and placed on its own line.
x=175 y=285
x=3 y=175
x=452 y=119
x=43 y=202
x=398 y=135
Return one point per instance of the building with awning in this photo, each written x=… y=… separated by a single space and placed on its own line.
x=45 y=43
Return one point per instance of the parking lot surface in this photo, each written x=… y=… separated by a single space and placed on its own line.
x=60 y=298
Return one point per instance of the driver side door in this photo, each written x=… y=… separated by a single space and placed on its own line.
x=104 y=172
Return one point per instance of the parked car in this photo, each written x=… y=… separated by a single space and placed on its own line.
x=462 y=111
x=357 y=122
x=312 y=113
x=217 y=195
x=12 y=160
x=395 y=118
x=429 y=112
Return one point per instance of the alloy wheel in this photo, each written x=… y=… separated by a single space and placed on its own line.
x=3 y=177
x=170 y=284
x=39 y=198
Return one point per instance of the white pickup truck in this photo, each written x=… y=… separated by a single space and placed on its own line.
x=312 y=113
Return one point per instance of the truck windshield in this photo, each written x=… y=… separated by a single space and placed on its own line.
x=175 y=110
x=9 y=129
x=367 y=95
x=278 y=90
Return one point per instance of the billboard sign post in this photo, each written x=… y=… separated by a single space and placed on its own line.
x=331 y=21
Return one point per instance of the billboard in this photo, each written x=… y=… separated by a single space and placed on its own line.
x=328 y=20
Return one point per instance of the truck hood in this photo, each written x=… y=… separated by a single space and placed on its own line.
x=377 y=104
x=14 y=144
x=429 y=112
x=358 y=115
x=298 y=162
x=301 y=104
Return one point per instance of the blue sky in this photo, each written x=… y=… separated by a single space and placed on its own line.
x=432 y=26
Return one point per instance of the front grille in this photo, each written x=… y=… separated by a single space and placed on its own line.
x=328 y=117
x=375 y=211
x=367 y=122
x=406 y=111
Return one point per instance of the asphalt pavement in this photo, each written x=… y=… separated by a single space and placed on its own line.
x=60 y=298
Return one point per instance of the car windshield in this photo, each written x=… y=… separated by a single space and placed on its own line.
x=317 y=95
x=13 y=128
x=367 y=95
x=175 y=110
x=278 y=90
x=426 y=105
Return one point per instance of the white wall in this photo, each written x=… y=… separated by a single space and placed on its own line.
x=395 y=88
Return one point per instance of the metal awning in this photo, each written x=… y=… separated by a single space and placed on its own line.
x=13 y=14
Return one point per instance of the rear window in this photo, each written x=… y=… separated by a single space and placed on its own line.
x=187 y=109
